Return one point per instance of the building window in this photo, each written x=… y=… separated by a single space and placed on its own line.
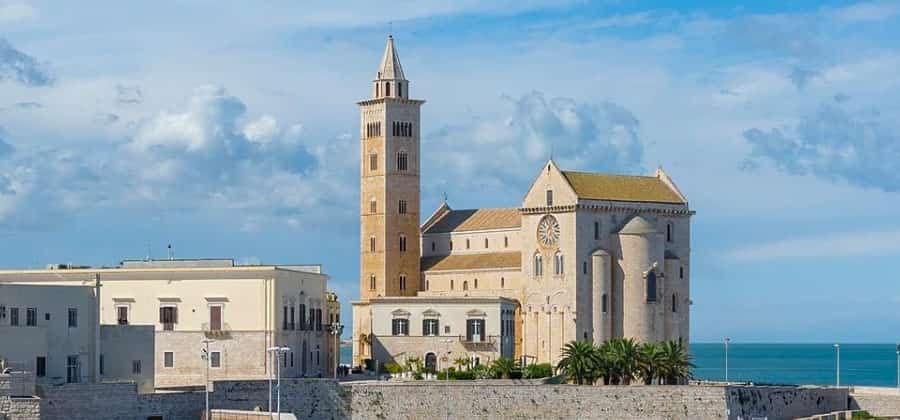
x=215 y=317
x=651 y=286
x=168 y=317
x=467 y=244
x=373 y=162
x=312 y=319
x=73 y=317
x=596 y=230
x=538 y=265
x=169 y=359
x=427 y=285
x=302 y=320
x=293 y=312
x=402 y=243
x=14 y=317
x=31 y=317
x=558 y=264
x=46 y=316
x=73 y=370
x=371 y=282
x=674 y=302
x=319 y=319
x=403 y=282
x=446 y=329
x=402 y=206
x=502 y=282
x=681 y=272
x=584 y=267
x=465 y=285
x=549 y=198
x=40 y=366
x=292 y=359
x=377 y=90
x=400 y=326
x=485 y=243
x=603 y=303
x=122 y=314
x=505 y=242
x=451 y=284
x=400 y=89
x=451 y=245
x=135 y=367
x=284 y=318
x=402 y=161
x=475 y=330
x=668 y=232
x=215 y=359
x=372 y=243
x=476 y=283
x=387 y=89
x=373 y=206
x=433 y=246
x=430 y=327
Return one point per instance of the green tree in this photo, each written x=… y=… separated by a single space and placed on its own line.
x=502 y=367
x=622 y=355
x=580 y=362
x=677 y=365
x=537 y=370
x=650 y=362
x=461 y=362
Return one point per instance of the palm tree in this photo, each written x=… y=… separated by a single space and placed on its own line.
x=650 y=362
x=503 y=366
x=676 y=366
x=461 y=362
x=623 y=355
x=580 y=362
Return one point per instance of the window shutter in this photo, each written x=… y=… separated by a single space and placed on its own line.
x=424 y=327
x=469 y=329
x=162 y=318
x=174 y=314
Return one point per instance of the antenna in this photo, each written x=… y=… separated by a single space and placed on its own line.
x=171 y=253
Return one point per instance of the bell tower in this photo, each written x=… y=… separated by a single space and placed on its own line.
x=389 y=184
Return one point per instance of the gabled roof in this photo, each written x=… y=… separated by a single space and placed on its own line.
x=473 y=219
x=390 y=67
x=472 y=261
x=597 y=186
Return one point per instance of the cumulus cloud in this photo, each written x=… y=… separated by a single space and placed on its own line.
x=23 y=68
x=16 y=11
x=833 y=144
x=592 y=136
x=845 y=244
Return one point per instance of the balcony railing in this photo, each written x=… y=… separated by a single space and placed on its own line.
x=486 y=341
x=224 y=330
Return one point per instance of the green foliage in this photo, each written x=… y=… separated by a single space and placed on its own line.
x=413 y=364
x=462 y=375
x=536 y=371
x=480 y=372
x=502 y=368
x=461 y=362
x=621 y=360
x=393 y=368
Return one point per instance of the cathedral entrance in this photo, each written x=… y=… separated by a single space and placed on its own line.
x=430 y=362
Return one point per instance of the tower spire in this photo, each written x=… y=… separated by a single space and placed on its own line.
x=390 y=68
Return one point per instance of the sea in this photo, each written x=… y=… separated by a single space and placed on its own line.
x=802 y=364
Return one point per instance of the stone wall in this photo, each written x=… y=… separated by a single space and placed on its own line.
x=20 y=408
x=883 y=402
x=326 y=399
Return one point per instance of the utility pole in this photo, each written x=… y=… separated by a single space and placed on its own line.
x=898 y=366
x=837 y=370
x=727 y=340
x=277 y=352
x=336 y=329
x=206 y=358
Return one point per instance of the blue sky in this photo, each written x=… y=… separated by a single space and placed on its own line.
x=231 y=130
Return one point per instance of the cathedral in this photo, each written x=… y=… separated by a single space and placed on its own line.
x=587 y=256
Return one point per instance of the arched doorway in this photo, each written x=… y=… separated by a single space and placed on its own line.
x=431 y=362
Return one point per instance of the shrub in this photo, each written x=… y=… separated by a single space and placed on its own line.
x=393 y=368
x=536 y=371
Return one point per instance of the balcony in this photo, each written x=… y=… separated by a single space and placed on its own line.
x=487 y=343
x=224 y=330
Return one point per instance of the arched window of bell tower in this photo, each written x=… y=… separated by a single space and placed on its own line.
x=387 y=89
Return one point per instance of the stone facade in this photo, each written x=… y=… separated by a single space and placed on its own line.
x=327 y=399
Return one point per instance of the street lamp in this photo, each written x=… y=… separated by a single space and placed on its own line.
x=727 y=340
x=336 y=329
x=898 y=366
x=277 y=353
x=837 y=369
x=206 y=358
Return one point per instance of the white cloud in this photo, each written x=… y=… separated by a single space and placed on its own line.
x=847 y=244
x=874 y=11
x=16 y=11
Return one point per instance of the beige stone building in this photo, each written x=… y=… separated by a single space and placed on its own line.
x=155 y=316
x=586 y=256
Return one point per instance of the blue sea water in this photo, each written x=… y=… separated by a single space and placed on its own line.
x=861 y=364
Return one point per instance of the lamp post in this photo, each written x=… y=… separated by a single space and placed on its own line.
x=898 y=366
x=336 y=329
x=727 y=340
x=837 y=368
x=205 y=356
x=277 y=353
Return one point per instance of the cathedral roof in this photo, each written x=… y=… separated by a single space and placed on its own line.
x=597 y=186
x=474 y=219
x=390 y=67
x=472 y=261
